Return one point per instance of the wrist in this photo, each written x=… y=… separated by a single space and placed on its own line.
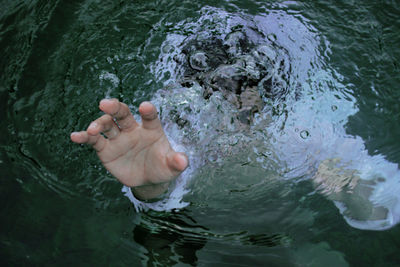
x=148 y=192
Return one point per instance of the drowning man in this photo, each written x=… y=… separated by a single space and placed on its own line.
x=139 y=155
x=245 y=70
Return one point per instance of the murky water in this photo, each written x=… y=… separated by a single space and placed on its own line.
x=317 y=164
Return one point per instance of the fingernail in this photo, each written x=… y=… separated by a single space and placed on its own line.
x=184 y=160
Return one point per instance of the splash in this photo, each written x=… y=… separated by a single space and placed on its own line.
x=260 y=84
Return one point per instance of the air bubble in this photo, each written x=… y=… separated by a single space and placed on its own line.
x=198 y=61
x=233 y=41
x=168 y=49
x=304 y=134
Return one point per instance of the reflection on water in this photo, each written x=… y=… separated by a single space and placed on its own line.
x=311 y=126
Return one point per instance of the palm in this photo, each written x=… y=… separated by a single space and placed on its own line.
x=126 y=156
x=136 y=154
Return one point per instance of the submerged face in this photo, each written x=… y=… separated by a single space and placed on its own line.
x=242 y=68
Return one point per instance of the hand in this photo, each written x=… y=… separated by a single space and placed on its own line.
x=138 y=155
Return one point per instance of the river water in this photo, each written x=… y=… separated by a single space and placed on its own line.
x=314 y=180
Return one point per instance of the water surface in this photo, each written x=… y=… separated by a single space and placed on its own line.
x=61 y=207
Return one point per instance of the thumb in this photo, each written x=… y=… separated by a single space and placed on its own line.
x=177 y=161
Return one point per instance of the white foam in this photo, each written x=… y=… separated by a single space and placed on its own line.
x=312 y=130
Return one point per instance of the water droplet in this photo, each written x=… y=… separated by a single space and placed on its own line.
x=116 y=28
x=168 y=49
x=198 y=61
x=271 y=37
x=304 y=134
x=334 y=107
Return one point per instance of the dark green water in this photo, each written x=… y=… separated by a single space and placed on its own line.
x=60 y=207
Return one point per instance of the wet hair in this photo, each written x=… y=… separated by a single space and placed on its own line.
x=233 y=64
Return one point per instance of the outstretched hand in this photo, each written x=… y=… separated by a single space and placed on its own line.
x=138 y=155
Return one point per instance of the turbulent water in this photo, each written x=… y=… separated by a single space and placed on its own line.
x=291 y=183
x=306 y=136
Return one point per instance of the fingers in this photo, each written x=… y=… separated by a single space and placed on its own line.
x=106 y=125
x=150 y=119
x=124 y=117
x=177 y=161
x=98 y=142
x=120 y=112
